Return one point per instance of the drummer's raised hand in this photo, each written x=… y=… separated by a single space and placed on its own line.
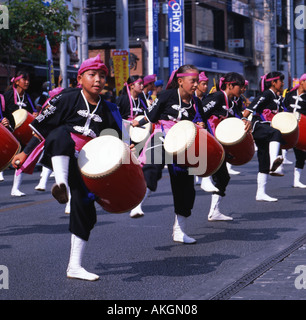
x=248 y=125
x=5 y=122
x=201 y=125
x=19 y=159
x=135 y=123
x=35 y=114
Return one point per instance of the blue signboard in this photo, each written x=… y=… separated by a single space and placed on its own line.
x=176 y=34
x=47 y=2
x=155 y=37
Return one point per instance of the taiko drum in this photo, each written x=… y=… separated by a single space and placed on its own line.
x=111 y=171
x=9 y=147
x=191 y=146
x=237 y=143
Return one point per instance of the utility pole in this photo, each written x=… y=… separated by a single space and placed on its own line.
x=63 y=62
x=122 y=24
x=292 y=42
x=267 y=38
x=84 y=35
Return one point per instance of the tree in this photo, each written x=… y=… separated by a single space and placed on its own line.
x=29 y=22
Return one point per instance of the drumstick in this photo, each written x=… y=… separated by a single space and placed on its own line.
x=17 y=162
x=130 y=123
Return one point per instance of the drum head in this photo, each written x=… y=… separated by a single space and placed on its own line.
x=180 y=137
x=230 y=131
x=285 y=122
x=138 y=134
x=102 y=156
x=20 y=117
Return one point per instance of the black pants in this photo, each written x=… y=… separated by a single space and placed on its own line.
x=182 y=184
x=263 y=134
x=221 y=179
x=83 y=213
x=300 y=157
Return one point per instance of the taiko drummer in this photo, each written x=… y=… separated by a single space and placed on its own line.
x=132 y=106
x=268 y=139
x=72 y=117
x=173 y=105
x=216 y=107
x=17 y=98
x=295 y=101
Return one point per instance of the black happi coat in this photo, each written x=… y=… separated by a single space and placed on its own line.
x=267 y=100
x=69 y=109
x=294 y=101
x=11 y=106
x=123 y=103
x=168 y=106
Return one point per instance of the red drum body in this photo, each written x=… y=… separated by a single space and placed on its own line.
x=301 y=144
x=192 y=146
x=141 y=134
x=9 y=147
x=237 y=143
x=23 y=132
x=112 y=173
x=287 y=124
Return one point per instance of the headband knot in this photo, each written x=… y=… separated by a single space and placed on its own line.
x=203 y=77
x=93 y=64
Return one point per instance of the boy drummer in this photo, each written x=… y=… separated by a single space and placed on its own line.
x=74 y=113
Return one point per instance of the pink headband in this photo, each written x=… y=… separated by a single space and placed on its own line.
x=149 y=79
x=130 y=84
x=221 y=81
x=93 y=64
x=264 y=78
x=55 y=92
x=179 y=75
x=16 y=79
x=170 y=79
x=202 y=77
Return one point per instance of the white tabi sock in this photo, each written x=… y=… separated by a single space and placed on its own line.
x=45 y=173
x=75 y=269
x=15 y=192
x=60 y=166
x=261 y=195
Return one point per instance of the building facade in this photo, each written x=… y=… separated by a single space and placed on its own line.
x=219 y=37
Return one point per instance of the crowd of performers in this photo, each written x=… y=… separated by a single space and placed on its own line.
x=71 y=117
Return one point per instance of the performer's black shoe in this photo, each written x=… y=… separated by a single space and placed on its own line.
x=277 y=162
x=60 y=193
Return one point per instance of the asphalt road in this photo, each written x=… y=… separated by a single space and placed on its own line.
x=136 y=258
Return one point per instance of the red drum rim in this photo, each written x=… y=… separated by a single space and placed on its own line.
x=8 y=164
x=236 y=125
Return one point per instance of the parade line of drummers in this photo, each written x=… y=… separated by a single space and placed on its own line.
x=114 y=153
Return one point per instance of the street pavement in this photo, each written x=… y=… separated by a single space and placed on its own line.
x=260 y=255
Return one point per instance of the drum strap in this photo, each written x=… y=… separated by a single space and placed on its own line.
x=117 y=116
x=31 y=103
x=2 y=101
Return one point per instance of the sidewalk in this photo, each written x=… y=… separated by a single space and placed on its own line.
x=284 y=281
